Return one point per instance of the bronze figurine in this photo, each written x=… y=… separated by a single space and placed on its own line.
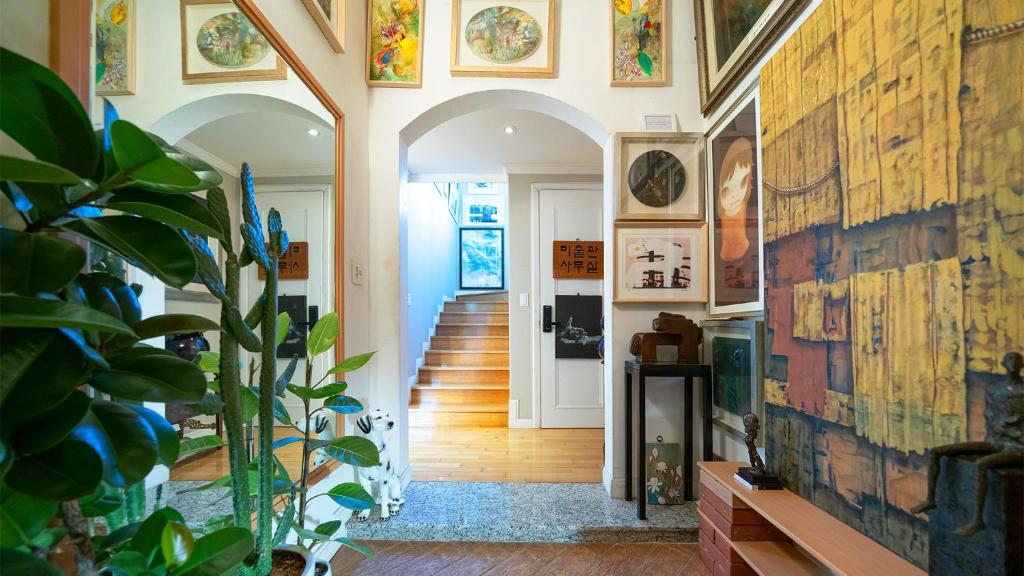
x=755 y=474
x=1003 y=446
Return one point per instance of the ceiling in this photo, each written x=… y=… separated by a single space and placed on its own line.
x=271 y=142
x=476 y=143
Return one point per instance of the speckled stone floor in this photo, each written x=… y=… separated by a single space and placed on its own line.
x=525 y=512
x=195 y=507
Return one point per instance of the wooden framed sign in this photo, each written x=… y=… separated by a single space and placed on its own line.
x=294 y=263
x=578 y=259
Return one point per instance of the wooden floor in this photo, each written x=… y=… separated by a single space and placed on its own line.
x=214 y=465
x=511 y=559
x=506 y=454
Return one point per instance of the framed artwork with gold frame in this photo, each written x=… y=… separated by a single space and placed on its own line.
x=640 y=43
x=329 y=16
x=504 y=39
x=115 y=47
x=659 y=176
x=394 y=43
x=220 y=44
x=661 y=262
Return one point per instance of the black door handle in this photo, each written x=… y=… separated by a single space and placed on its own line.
x=546 y=323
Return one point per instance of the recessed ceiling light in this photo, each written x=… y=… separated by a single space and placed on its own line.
x=510 y=129
x=313 y=132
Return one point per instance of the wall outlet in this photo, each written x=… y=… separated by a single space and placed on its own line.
x=524 y=299
x=358 y=275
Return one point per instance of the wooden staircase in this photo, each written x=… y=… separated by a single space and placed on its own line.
x=464 y=378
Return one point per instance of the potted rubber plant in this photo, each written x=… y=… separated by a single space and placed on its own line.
x=76 y=441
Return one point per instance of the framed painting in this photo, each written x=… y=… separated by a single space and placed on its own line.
x=329 y=16
x=639 y=43
x=394 y=43
x=734 y=206
x=731 y=36
x=483 y=210
x=734 y=349
x=115 y=47
x=659 y=176
x=661 y=262
x=664 y=474
x=509 y=39
x=219 y=44
x=579 y=326
x=481 y=258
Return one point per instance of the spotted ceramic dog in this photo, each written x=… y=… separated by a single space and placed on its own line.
x=380 y=481
x=324 y=430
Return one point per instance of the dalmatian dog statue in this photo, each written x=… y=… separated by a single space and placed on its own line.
x=323 y=427
x=380 y=481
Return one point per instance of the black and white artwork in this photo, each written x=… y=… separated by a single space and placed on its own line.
x=295 y=342
x=579 y=326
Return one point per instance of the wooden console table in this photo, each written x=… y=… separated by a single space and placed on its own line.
x=641 y=371
x=777 y=532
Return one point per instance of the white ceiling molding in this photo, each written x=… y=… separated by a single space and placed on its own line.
x=470 y=178
x=208 y=157
x=552 y=169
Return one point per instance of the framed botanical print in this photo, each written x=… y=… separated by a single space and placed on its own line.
x=734 y=207
x=503 y=38
x=659 y=176
x=329 y=16
x=220 y=44
x=394 y=43
x=639 y=43
x=731 y=36
x=661 y=262
x=734 y=350
x=481 y=258
x=115 y=47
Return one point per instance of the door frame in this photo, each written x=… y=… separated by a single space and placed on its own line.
x=535 y=279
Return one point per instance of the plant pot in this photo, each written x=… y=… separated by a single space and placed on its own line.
x=322 y=568
x=292 y=561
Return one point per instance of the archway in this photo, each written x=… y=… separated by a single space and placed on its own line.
x=178 y=123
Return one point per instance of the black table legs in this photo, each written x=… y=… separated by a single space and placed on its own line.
x=689 y=423
x=641 y=454
x=629 y=435
x=705 y=400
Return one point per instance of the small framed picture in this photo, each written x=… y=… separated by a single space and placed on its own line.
x=659 y=122
x=481 y=258
x=329 y=16
x=639 y=43
x=661 y=262
x=220 y=44
x=483 y=210
x=512 y=38
x=733 y=348
x=394 y=43
x=659 y=176
x=115 y=47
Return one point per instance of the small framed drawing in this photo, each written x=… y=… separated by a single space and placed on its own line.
x=506 y=39
x=734 y=206
x=115 y=47
x=329 y=16
x=659 y=176
x=661 y=262
x=394 y=43
x=483 y=210
x=481 y=258
x=639 y=43
x=220 y=44
x=734 y=349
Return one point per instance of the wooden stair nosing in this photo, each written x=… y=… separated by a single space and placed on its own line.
x=458 y=386
x=463 y=408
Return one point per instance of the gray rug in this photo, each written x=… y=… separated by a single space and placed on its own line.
x=525 y=512
x=195 y=507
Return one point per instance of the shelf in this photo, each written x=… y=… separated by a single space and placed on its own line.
x=774 y=558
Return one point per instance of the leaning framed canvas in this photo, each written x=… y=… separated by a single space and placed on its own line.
x=639 y=43
x=511 y=38
x=481 y=258
x=734 y=208
x=329 y=16
x=659 y=176
x=731 y=37
x=115 y=47
x=220 y=44
x=734 y=349
x=394 y=43
x=661 y=262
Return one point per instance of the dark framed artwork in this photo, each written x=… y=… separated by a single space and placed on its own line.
x=295 y=341
x=733 y=348
x=579 y=326
x=659 y=176
x=481 y=258
x=734 y=203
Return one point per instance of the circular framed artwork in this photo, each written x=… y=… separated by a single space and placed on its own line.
x=230 y=40
x=503 y=34
x=657 y=178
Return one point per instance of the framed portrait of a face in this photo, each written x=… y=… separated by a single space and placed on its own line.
x=508 y=39
x=734 y=205
x=661 y=262
x=733 y=348
x=115 y=47
x=659 y=176
x=220 y=44
x=329 y=16
x=731 y=36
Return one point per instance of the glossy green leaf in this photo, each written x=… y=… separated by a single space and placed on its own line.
x=190 y=446
x=40 y=112
x=47 y=429
x=255 y=314
x=99 y=286
x=352 y=363
x=284 y=324
x=325 y=391
x=179 y=210
x=281 y=413
x=168 y=445
x=323 y=335
x=22 y=170
x=354 y=450
x=19 y=348
x=33 y=263
x=166 y=324
x=24 y=312
x=146 y=244
x=209 y=177
x=250 y=403
x=343 y=405
x=142 y=159
x=209 y=362
x=50 y=537
x=351 y=496
x=124 y=440
x=328 y=528
x=282 y=442
x=284 y=525
x=176 y=544
x=149 y=535
x=254 y=245
x=218 y=553
x=67 y=471
x=207 y=267
x=152 y=375
x=128 y=563
x=283 y=379
x=104 y=500
x=217 y=204
x=60 y=366
x=23 y=517
x=18 y=563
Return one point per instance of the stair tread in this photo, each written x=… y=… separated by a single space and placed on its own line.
x=470 y=324
x=450 y=386
x=458 y=408
x=447 y=351
x=467 y=368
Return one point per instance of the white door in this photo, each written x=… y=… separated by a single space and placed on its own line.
x=303 y=213
x=572 y=390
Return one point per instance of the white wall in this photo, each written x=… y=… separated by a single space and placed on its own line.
x=25 y=28
x=430 y=273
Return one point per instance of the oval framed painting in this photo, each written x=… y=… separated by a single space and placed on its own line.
x=503 y=34
x=503 y=38
x=229 y=40
x=220 y=44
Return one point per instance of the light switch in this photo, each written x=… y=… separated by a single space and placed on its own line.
x=524 y=299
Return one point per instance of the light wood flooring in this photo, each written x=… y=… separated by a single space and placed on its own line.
x=506 y=454
x=214 y=465
x=512 y=559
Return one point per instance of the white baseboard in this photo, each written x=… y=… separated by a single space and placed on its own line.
x=514 y=421
x=616 y=487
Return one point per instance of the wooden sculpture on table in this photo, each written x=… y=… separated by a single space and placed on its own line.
x=669 y=330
